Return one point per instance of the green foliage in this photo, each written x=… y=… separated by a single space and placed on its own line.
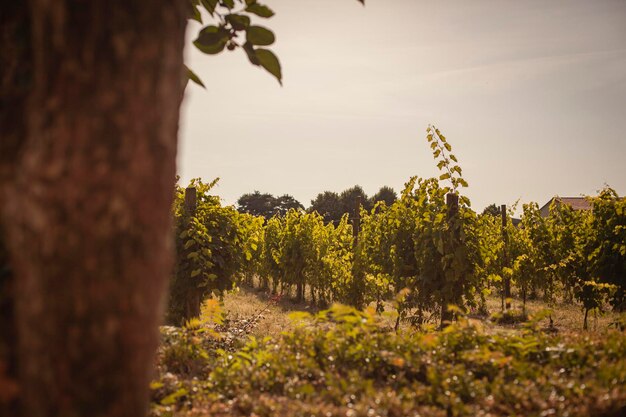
x=346 y=362
x=492 y=210
x=447 y=162
x=386 y=194
x=420 y=253
x=427 y=257
x=214 y=245
x=575 y=252
x=328 y=205
x=333 y=206
x=606 y=249
x=300 y=250
x=593 y=296
x=348 y=200
x=186 y=350
x=422 y=245
x=233 y=20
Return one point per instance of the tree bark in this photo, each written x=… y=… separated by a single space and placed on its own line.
x=15 y=81
x=87 y=205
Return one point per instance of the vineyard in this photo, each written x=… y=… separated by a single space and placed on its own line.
x=403 y=293
x=426 y=251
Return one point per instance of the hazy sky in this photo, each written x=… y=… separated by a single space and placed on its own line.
x=531 y=95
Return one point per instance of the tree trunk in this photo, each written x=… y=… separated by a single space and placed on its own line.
x=87 y=210
x=299 y=291
x=193 y=302
x=15 y=82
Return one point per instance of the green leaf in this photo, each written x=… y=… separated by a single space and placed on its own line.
x=270 y=62
x=228 y=3
x=211 y=40
x=194 y=13
x=172 y=398
x=260 y=10
x=195 y=273
x=251 y=53
x=448 y=147
x=444 y=176
x=193 y=77
x=238 y=21
x=258 y=35
x=209 y=5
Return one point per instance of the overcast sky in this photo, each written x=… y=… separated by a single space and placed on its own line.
x=531 y=95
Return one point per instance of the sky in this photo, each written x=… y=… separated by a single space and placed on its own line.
x=530 y=94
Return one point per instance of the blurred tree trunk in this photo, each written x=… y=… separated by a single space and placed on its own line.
x=15 y=82
x=86 y=174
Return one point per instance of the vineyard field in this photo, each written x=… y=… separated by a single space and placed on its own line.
x=419 y=307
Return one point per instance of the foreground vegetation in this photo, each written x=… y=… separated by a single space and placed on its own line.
x=344 y=362
x=421 y=319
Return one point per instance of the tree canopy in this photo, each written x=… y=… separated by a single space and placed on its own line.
x=328 y=205
x=386 y=194
x=492 y=210
x=266 y=205
x=332 y=205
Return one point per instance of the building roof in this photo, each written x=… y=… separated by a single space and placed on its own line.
x=576 y=203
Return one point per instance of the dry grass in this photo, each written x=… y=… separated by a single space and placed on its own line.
x=274 y=315
x=246 y=303
x=566 y=316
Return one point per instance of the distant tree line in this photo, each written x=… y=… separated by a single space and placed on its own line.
x=329 y=204
x=266 y=205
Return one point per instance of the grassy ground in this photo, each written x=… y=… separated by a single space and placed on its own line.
x=273 y=314
x=274 y=317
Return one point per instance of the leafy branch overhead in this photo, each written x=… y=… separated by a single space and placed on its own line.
x=232 y=29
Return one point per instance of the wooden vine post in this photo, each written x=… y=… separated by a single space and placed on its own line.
x=358 y=278
x=356 y=220
x=506 y=295
x=454 y=297
x=191 y=201
x=192 y=300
